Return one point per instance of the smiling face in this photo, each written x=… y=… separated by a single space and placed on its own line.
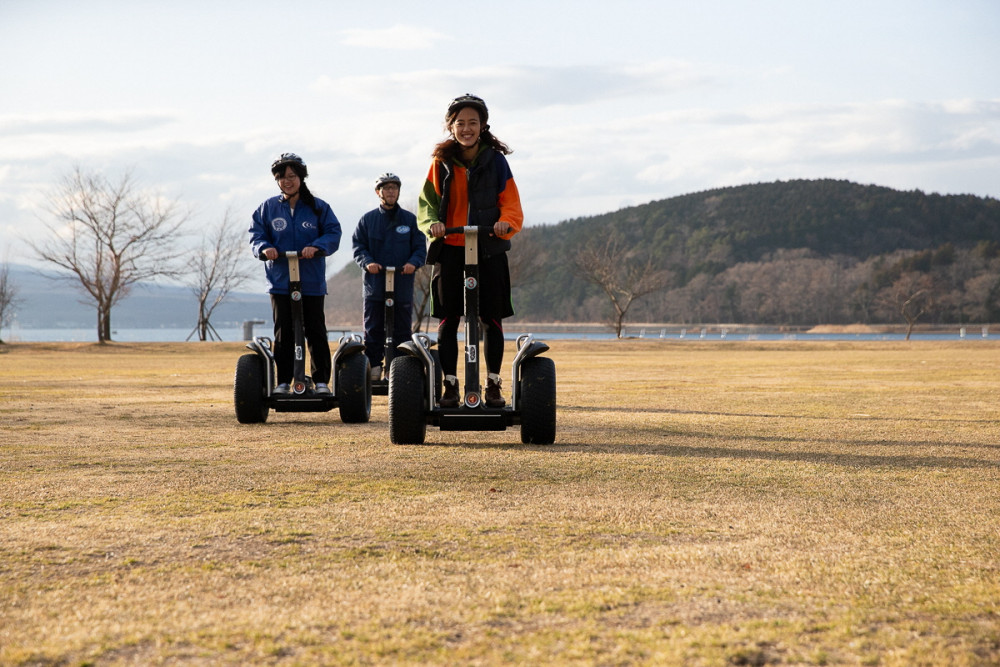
x=467 y=127
x=289 y=182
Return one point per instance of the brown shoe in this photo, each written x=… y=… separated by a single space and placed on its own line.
x=450 y=397
x=494 y=399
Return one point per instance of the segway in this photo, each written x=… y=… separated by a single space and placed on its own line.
x=413 y=396
x=380 y=387
x=350 y=386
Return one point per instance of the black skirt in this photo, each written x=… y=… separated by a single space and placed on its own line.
x=448 y=285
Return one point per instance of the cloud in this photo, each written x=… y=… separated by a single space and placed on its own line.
x=76 y=123
x=529 y=86
x=400 y=37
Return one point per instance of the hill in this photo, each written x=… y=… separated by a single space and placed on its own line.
x=785 y=253
x=796 y=252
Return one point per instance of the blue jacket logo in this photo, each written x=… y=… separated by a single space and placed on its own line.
x=279 y=224
x=402 y=229
x=308 y=224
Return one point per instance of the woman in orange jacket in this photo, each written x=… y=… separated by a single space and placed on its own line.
x=470 y=183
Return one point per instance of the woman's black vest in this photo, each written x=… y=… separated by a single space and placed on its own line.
x=484 y=195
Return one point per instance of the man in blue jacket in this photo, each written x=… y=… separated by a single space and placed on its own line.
x=296 y=220
x=387 y=236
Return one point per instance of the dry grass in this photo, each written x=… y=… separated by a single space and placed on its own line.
x=705 y=504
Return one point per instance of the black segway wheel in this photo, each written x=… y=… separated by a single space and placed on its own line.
x=538 y=401
x=249 y=390
x=407 y=425
x=354 y=389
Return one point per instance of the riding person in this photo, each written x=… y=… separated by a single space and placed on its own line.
x=470 y=183
x=297 y=221
x=387 y=236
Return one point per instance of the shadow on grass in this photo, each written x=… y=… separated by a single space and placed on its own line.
x=743 y=453
x=765 y=415
x=654 y=441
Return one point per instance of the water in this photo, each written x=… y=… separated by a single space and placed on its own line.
x=235 y=334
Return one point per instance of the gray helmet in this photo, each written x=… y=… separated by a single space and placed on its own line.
x=387 y=177
x=289 y=159
x=468 y=100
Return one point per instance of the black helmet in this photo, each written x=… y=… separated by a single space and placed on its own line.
x=468 y=100
x=387 y=177
x=290 y=159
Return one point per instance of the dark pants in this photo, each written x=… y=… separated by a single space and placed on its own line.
x=449 y=305
x=375 y=327
x=314 y=327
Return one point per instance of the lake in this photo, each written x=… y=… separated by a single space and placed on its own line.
x=233 y=334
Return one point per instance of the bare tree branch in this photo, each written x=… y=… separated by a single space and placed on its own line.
x=9 y=299
x=221 y=266
x=110 y=236
x=622 y=273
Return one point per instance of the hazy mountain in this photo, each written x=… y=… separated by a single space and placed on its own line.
x=49 y=299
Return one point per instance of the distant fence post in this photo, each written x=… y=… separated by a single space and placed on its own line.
x=248 y=328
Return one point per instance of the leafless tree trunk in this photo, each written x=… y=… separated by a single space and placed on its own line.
x=621 y=272
x=110 y=235
x=911 y=296
x=221 y=267
x=9 y=299
x=422 y=297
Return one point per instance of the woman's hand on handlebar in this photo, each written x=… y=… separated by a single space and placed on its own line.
x=373 y=267
x=270 y=253
x=309 y=252
x=438 y=229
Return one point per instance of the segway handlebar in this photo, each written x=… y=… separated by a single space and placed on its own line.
x=291 y=253
x=482 y=229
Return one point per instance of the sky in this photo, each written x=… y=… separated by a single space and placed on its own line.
x=605 y=104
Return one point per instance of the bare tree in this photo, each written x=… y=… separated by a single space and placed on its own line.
x=422 y=297
x=110 y=236
x=9 y=299
x=911 y=296
x=221 y=267
x=624 y=274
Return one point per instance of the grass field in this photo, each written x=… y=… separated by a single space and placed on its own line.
x=704 y=504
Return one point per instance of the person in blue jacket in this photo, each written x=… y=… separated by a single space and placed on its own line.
x=387 y=236
x=296 y=220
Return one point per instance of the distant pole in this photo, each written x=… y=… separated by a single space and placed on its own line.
x=248 y=328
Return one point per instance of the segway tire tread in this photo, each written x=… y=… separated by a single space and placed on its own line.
x=248 y=390
x=538 y=401
x=407 y=425
x=354 y=389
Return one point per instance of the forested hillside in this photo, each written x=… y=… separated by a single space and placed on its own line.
x=797 y=252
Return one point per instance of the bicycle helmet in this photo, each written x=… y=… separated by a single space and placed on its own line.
x=290 y=159
x=387 y=177
x=468 y=100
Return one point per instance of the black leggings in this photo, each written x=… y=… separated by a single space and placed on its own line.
x=314 y=328
x=448 y=345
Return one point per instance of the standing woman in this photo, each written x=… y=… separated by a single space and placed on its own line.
x=470 y=183
x=295 y=220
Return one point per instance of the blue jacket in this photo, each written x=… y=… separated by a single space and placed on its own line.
x=389 y=238
x=274 y=226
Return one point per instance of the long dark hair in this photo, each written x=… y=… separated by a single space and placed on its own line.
x=450 y=149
